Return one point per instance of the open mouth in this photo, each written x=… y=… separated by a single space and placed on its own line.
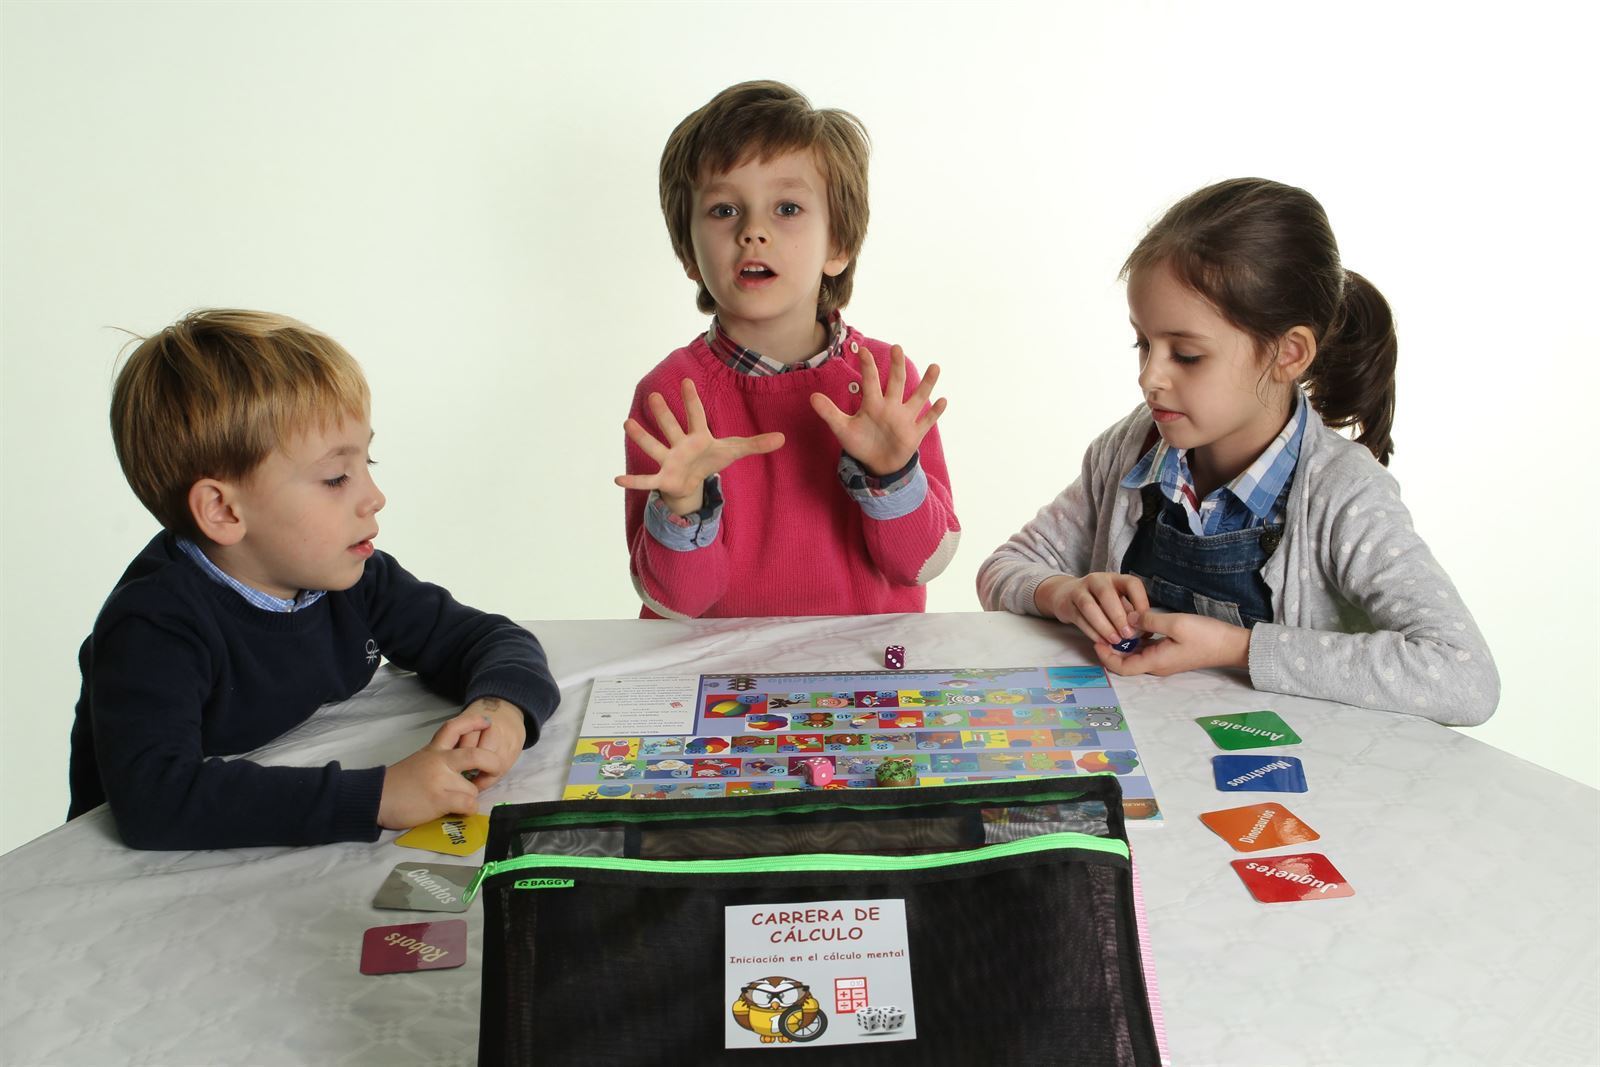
x=756 y=272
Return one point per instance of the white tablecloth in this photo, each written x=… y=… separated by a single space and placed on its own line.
x=1471 y=938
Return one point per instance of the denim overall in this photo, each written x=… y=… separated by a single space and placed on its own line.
x=1218 y=575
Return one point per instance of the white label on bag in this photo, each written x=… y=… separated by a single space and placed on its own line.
x=817 y=972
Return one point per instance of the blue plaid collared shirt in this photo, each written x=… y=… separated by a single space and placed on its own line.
x=1248 y=501
x=749 y=361
x=265 y=601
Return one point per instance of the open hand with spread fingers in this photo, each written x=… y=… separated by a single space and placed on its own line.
x=885 y=431
x=687 y=453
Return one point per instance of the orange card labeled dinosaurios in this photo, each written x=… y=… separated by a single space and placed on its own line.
x=1258 y=826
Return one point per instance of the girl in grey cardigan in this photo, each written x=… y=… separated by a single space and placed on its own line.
x=1224 y=515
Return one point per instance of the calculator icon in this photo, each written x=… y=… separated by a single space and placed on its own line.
x=849 y=994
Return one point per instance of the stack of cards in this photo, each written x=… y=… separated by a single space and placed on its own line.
x=1258 y=827
x=425 y=886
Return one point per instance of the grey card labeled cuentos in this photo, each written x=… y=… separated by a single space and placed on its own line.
x=426 y=887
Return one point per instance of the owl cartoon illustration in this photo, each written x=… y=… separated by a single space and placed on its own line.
x=779 y=1009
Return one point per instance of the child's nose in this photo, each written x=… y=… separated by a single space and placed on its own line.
x=753 y=234
x=375 y=499
x=1149 y=377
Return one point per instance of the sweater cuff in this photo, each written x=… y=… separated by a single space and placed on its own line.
x=355 y=805
x=1265 y=638
x=1025 y=594
x=535 y=701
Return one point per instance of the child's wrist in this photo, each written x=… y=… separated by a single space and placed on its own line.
x=1239 y=649
x=687 y=504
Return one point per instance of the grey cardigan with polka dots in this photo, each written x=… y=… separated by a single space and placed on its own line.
x=1362 y=612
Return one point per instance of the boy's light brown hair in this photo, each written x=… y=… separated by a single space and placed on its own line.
x=760 y=120
x=212 y=395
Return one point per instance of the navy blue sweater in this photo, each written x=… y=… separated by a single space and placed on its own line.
x=180 y=669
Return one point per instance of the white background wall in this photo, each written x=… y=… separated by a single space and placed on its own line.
x=465 y=196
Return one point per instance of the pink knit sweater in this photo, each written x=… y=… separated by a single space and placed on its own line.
x=792 y=540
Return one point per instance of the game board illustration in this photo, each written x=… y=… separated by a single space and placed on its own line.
x=653 y=737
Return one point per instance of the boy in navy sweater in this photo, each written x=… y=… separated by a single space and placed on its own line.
x=246 y=435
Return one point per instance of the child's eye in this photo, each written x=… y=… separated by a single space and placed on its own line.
x=335 y=483
x=1141 y=345
x=723 y=211
x=788 y=209
x=1179 y=357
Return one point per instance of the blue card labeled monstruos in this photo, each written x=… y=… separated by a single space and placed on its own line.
x=1258 y=774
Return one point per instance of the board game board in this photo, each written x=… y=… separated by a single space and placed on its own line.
x=653 y=736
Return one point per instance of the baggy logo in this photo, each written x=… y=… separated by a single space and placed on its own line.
x=372 y=651
x=779 y=1009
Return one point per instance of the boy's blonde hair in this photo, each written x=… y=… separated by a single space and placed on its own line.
x=212 y=395
x=760 y=120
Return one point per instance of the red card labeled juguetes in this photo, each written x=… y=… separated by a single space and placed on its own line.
x=1279 y=879
x=414 y=947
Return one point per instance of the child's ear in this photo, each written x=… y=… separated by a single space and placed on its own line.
x=213 y=507
x=835 y=266
x=692 y=269
x=1296 y=350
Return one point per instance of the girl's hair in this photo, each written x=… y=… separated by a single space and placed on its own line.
x=1262 y=253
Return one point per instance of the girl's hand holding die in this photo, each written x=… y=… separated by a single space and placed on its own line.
x=1101 y=604
x=688 y=455
x=1185 y=643
x=885 y=432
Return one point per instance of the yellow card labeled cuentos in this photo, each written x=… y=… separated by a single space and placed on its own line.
x=1258 y=826
x=454 y=835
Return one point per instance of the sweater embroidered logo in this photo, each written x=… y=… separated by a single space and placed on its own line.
x=372 y=651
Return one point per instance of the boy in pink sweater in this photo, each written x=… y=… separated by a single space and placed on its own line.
x=781 y=463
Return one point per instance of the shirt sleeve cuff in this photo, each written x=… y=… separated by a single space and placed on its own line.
x=685 y=533
x=355 y=808
x=890 y=496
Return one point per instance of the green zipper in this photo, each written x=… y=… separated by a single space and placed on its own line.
x=819 y=861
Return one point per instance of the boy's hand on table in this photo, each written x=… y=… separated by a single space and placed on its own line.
x=885 y=431
x=1188 y=642
x=429 y=783
x=1101 y=604
x=687 y=455
x=501 y=741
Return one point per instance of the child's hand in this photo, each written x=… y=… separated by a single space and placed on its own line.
x=689 y=456
x=501 y=740
x=1188 y=642
x=1101 y=604
x=885 y=431
x=429 y=783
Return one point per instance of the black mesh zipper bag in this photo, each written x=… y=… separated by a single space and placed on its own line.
x=604 y=938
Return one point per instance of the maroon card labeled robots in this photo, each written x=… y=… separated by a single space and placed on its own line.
x=414 y=947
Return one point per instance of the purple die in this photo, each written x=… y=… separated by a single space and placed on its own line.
x=1126 y=646
x=894 y=657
